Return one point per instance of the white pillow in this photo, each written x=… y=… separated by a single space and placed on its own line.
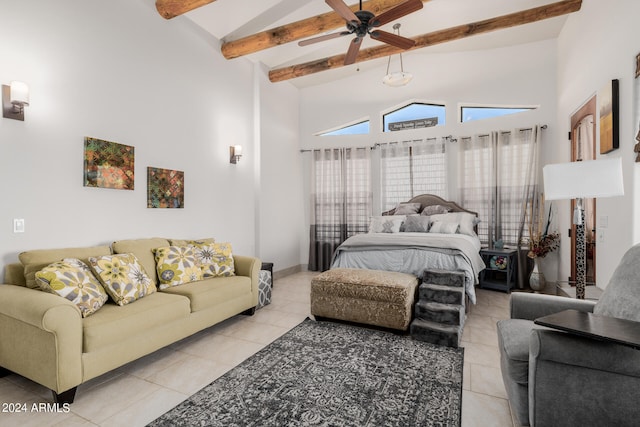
x=444 y=227
x=464 y=219
x=386 y=224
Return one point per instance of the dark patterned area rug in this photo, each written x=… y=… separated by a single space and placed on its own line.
x=332 y=374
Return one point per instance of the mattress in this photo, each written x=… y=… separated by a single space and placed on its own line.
x=412 y=253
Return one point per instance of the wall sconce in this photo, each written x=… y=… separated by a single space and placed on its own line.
x=235 y=152
x=14 y=98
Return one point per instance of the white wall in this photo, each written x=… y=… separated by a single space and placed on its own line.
x=598 y=44
x=520 y=75
x=118 y=71
x=281 y=213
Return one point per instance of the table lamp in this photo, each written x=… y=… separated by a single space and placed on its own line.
x=580 y=180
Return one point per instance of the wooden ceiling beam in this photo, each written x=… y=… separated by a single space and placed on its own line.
x=171 y=8
x=299 y=29
x=442 y=36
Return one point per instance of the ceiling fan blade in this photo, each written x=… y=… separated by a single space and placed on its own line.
x=323 y=38
x=393 y=39
x=343 y=10
x=397 y=12
x=352 y=53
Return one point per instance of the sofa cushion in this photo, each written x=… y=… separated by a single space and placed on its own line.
x=176 y=265
x=123 y=277
x=36 y=260
x=112 y=322
x=209 y=292
x=143 y=250
x=182 y=242
x=621 y=298
x=72 y=279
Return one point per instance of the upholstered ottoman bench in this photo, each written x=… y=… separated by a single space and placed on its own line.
x=372 y=297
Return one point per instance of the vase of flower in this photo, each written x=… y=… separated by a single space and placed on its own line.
x=541 y=243
x=537 y=282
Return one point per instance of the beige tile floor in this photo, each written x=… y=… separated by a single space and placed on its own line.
x=139 y=392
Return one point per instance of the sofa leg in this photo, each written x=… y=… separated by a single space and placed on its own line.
x=65 y=396
x=249 y=312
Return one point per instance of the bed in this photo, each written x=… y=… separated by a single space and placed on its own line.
x=444 y=247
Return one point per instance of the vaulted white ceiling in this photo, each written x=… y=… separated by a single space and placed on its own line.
x=229 y=20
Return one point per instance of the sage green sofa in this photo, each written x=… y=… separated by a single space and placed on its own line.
x=45 y=338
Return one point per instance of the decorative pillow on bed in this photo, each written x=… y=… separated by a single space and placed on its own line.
x=177 y=265
x=407 y=209
x=434 y=210
x=123 y=277
x=386 y=224
x=416 y=224
x=72 y=279
x=444 y=227
x=464 y=219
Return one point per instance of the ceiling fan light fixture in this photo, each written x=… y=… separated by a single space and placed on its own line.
x=397 y=79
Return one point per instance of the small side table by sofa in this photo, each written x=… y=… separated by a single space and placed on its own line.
x=501 y=269
x=265 y=284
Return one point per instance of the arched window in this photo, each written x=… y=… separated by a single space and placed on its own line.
x=481 y=112
x=359 y=128
x=414 y=116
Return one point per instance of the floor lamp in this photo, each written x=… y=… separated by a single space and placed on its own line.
x=581 y=180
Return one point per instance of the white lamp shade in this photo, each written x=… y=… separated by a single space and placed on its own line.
x=586 y=179
x=237 y=150
x=19 y=93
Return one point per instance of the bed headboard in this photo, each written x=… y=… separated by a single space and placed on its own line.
x=432 y=199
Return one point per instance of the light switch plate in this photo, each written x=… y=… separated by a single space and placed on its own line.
x=18 y=225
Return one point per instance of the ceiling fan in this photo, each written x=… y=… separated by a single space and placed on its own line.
x=363 y=22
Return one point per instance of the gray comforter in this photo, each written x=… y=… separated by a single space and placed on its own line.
x=412 y=253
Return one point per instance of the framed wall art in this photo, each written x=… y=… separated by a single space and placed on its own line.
x=165 y=188
x=608 y=105
x=108 y=164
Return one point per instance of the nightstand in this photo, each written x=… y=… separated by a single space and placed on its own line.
x=501 y=271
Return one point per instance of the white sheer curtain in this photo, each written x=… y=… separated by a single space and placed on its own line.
x=411 y=168
x=340 y=200
x=498 y=177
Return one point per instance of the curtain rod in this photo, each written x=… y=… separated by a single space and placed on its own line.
x=448 y=138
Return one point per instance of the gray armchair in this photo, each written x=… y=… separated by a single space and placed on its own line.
x=554 y=378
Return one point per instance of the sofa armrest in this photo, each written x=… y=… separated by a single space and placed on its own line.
x=41 y=337
x=581 y=381
x=249 y=267
x=588 y=353
x=531 y=306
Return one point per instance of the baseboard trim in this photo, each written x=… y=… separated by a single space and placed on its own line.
x=289 y=271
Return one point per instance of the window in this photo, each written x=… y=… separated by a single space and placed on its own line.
x=414 y=116
x=352 y=129
x=469 y=113
x=497 y=178
x=411 y=168
x=340 y=200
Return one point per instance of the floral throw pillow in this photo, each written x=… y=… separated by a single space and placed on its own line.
x=222 y=262
x=72 y=279
x=177 y=265
x=123 y=277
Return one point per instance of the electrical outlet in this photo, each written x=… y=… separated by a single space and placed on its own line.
x=18 y=225
x=600 y=235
